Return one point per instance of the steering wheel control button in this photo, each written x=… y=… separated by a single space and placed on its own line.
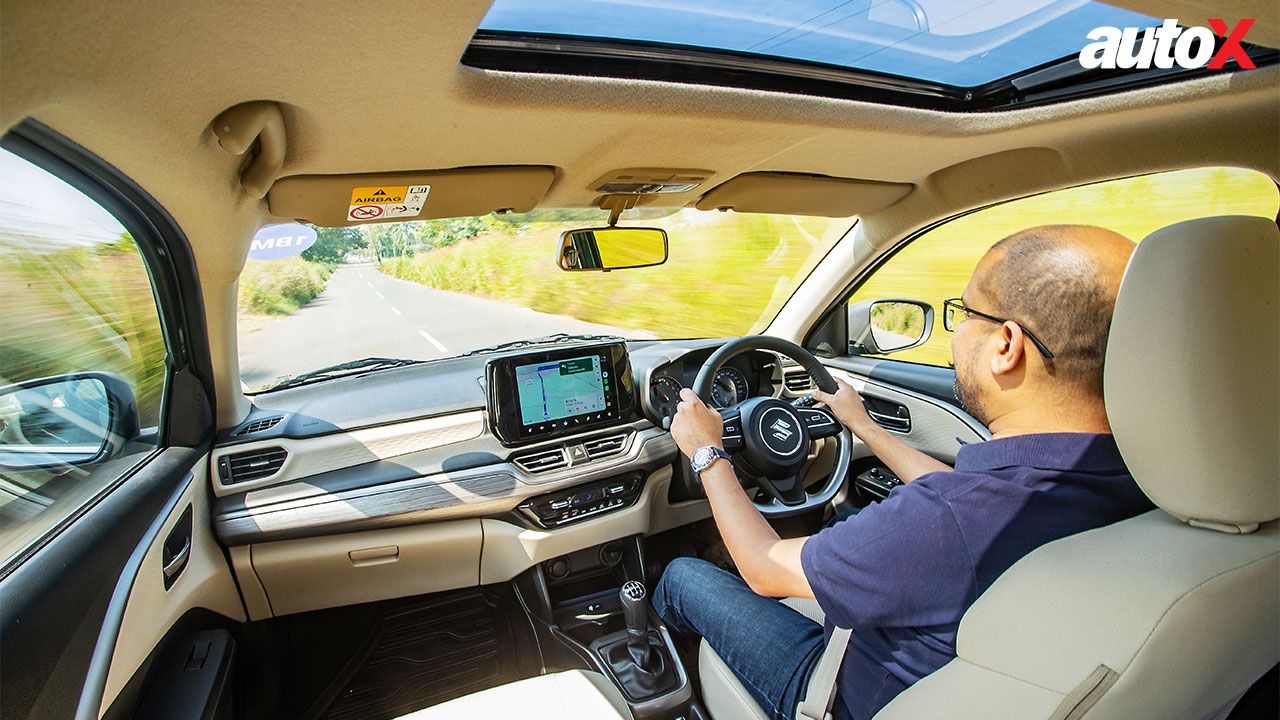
x=820 y=423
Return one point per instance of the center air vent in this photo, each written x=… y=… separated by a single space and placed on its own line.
x=797 y=381
x=258 y=426
x=251 y=465
x=541 y=461
x=605 y=446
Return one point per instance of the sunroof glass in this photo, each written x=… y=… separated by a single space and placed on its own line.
x=961 y=43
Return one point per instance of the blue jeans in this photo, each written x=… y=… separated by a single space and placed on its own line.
x=770 y=647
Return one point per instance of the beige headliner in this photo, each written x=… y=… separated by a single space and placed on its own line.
x=368 y=91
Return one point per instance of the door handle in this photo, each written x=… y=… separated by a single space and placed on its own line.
x=179 y=561
x=176 y=551
x=890 y=421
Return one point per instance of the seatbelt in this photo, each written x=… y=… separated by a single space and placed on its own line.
x=822 y=683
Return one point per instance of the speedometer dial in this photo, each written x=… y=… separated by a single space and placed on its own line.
x=664 y=392
x=730 y=388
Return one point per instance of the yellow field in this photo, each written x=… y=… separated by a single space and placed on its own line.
x=937 y=265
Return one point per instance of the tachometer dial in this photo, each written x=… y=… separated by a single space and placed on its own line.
x=664 y=392
x=730 y=388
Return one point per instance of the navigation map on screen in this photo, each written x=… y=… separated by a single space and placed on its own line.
x=559 y=389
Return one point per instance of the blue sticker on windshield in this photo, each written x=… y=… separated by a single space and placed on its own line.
x=281 y=241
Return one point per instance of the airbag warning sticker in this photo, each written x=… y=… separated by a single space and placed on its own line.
x=387 y=201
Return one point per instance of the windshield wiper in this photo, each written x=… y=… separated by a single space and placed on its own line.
x=351 y=367
x=544 y=340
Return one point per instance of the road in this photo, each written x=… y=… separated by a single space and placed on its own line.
x=363 y=313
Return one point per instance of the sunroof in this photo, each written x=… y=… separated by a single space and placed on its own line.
x=958 y=43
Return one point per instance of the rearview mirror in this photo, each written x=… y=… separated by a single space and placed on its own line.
x=612 y=248
x=883 y=326
x=65 y=420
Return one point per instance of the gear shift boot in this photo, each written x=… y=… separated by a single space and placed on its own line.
x=637 y=657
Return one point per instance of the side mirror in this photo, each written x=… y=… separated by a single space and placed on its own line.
x=72 y=419
x=888 y=325
x=612 y=248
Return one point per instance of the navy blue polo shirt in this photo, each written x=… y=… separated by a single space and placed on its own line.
x=901 y=573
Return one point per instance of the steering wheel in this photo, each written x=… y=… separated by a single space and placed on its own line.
x=769 y=439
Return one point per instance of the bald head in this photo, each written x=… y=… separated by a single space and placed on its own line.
x=1060 y=282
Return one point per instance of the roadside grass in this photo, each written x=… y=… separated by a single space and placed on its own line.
x=92 y=308
x=898 y=318
x=727 y=273
x=80 y=309
x=280 y=287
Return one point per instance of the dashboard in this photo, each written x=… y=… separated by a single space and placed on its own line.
x=542 y=437
x=469 y=470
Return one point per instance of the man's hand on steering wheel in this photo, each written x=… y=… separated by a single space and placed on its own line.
x=696 y=425
x=847 y=405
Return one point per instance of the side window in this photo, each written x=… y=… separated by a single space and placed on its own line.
x=937 y=265
x=82 y=357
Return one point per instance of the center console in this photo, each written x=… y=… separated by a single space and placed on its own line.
x=591 y=607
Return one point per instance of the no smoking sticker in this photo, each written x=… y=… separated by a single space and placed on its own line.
x=386 y=201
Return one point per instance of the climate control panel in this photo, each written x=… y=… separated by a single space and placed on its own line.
x=583 y=501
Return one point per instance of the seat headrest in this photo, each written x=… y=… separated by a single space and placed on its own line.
x=1192 y=371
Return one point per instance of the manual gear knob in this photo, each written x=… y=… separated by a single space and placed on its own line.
x=635 y=607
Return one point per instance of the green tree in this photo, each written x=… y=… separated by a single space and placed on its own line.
x=390 y=240
x=334 y=244
x=449 y=231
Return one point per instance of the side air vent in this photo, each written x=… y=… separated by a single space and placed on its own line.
x=605 y=446
x=258 y=426
x=797 y=381
x=541 y=461
x=251 y=465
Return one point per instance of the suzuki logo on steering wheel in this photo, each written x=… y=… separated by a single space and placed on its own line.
x=781 y=429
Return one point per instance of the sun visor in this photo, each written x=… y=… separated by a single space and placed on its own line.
x=800 y=194
x=337 y=200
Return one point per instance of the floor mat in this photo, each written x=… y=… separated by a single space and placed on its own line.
x=429 y=652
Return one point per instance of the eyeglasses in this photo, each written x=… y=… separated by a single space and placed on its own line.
x=955 y=312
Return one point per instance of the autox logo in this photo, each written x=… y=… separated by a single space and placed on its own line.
x=1166 y=46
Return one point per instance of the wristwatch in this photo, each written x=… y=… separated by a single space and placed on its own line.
x=704 y=457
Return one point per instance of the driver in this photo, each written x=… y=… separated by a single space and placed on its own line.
x=1030 y=334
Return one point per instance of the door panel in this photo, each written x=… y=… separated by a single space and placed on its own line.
x=122 y=303
x=937 y=428
x=205 y=582
x=53 y=606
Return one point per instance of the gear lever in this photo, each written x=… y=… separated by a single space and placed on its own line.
x=637 y=659
x=635 y=613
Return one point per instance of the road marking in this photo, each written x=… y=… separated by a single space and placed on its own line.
x=397 y=311
x=366 y=282
x=375 y=292
x=433 y=341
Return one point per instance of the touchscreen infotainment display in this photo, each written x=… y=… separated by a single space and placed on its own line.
x=560 y=389
x=548 y=393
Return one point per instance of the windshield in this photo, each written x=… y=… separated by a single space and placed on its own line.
x=439 y=288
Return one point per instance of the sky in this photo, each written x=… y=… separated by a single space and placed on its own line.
x=38 y=211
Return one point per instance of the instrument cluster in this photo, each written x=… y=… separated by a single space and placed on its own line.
x=742 y=377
